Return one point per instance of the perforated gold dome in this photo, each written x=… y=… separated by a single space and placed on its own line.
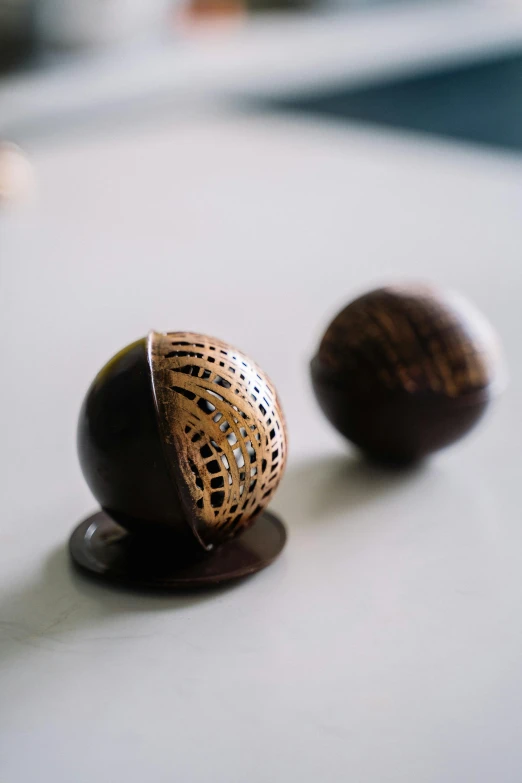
x=222 y=424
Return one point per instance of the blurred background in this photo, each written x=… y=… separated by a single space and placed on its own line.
x=449 y=68
x=244 y=168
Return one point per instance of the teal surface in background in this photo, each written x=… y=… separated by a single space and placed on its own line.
x=479 y=103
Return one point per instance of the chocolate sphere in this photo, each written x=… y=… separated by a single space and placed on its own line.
x=182 y=434
x=404 y=371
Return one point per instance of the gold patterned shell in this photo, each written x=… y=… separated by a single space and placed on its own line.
x=222 y=424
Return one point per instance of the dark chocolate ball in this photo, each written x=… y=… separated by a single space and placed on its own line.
x=404 y=371
x=181 y=433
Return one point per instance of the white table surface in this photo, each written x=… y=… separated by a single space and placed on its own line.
x=385 y=644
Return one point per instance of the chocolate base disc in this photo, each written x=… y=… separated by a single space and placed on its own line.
x=104 y=549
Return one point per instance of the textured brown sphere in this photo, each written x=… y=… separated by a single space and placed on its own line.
x=181 y=433
x=404 y=371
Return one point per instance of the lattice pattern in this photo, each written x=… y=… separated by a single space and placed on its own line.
x=221 y=413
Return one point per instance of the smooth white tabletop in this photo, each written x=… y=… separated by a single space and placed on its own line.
x=385 y=645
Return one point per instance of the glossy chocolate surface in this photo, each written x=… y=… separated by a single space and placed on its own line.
x=403 y=372
x=106 y=551
x=120 y=450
